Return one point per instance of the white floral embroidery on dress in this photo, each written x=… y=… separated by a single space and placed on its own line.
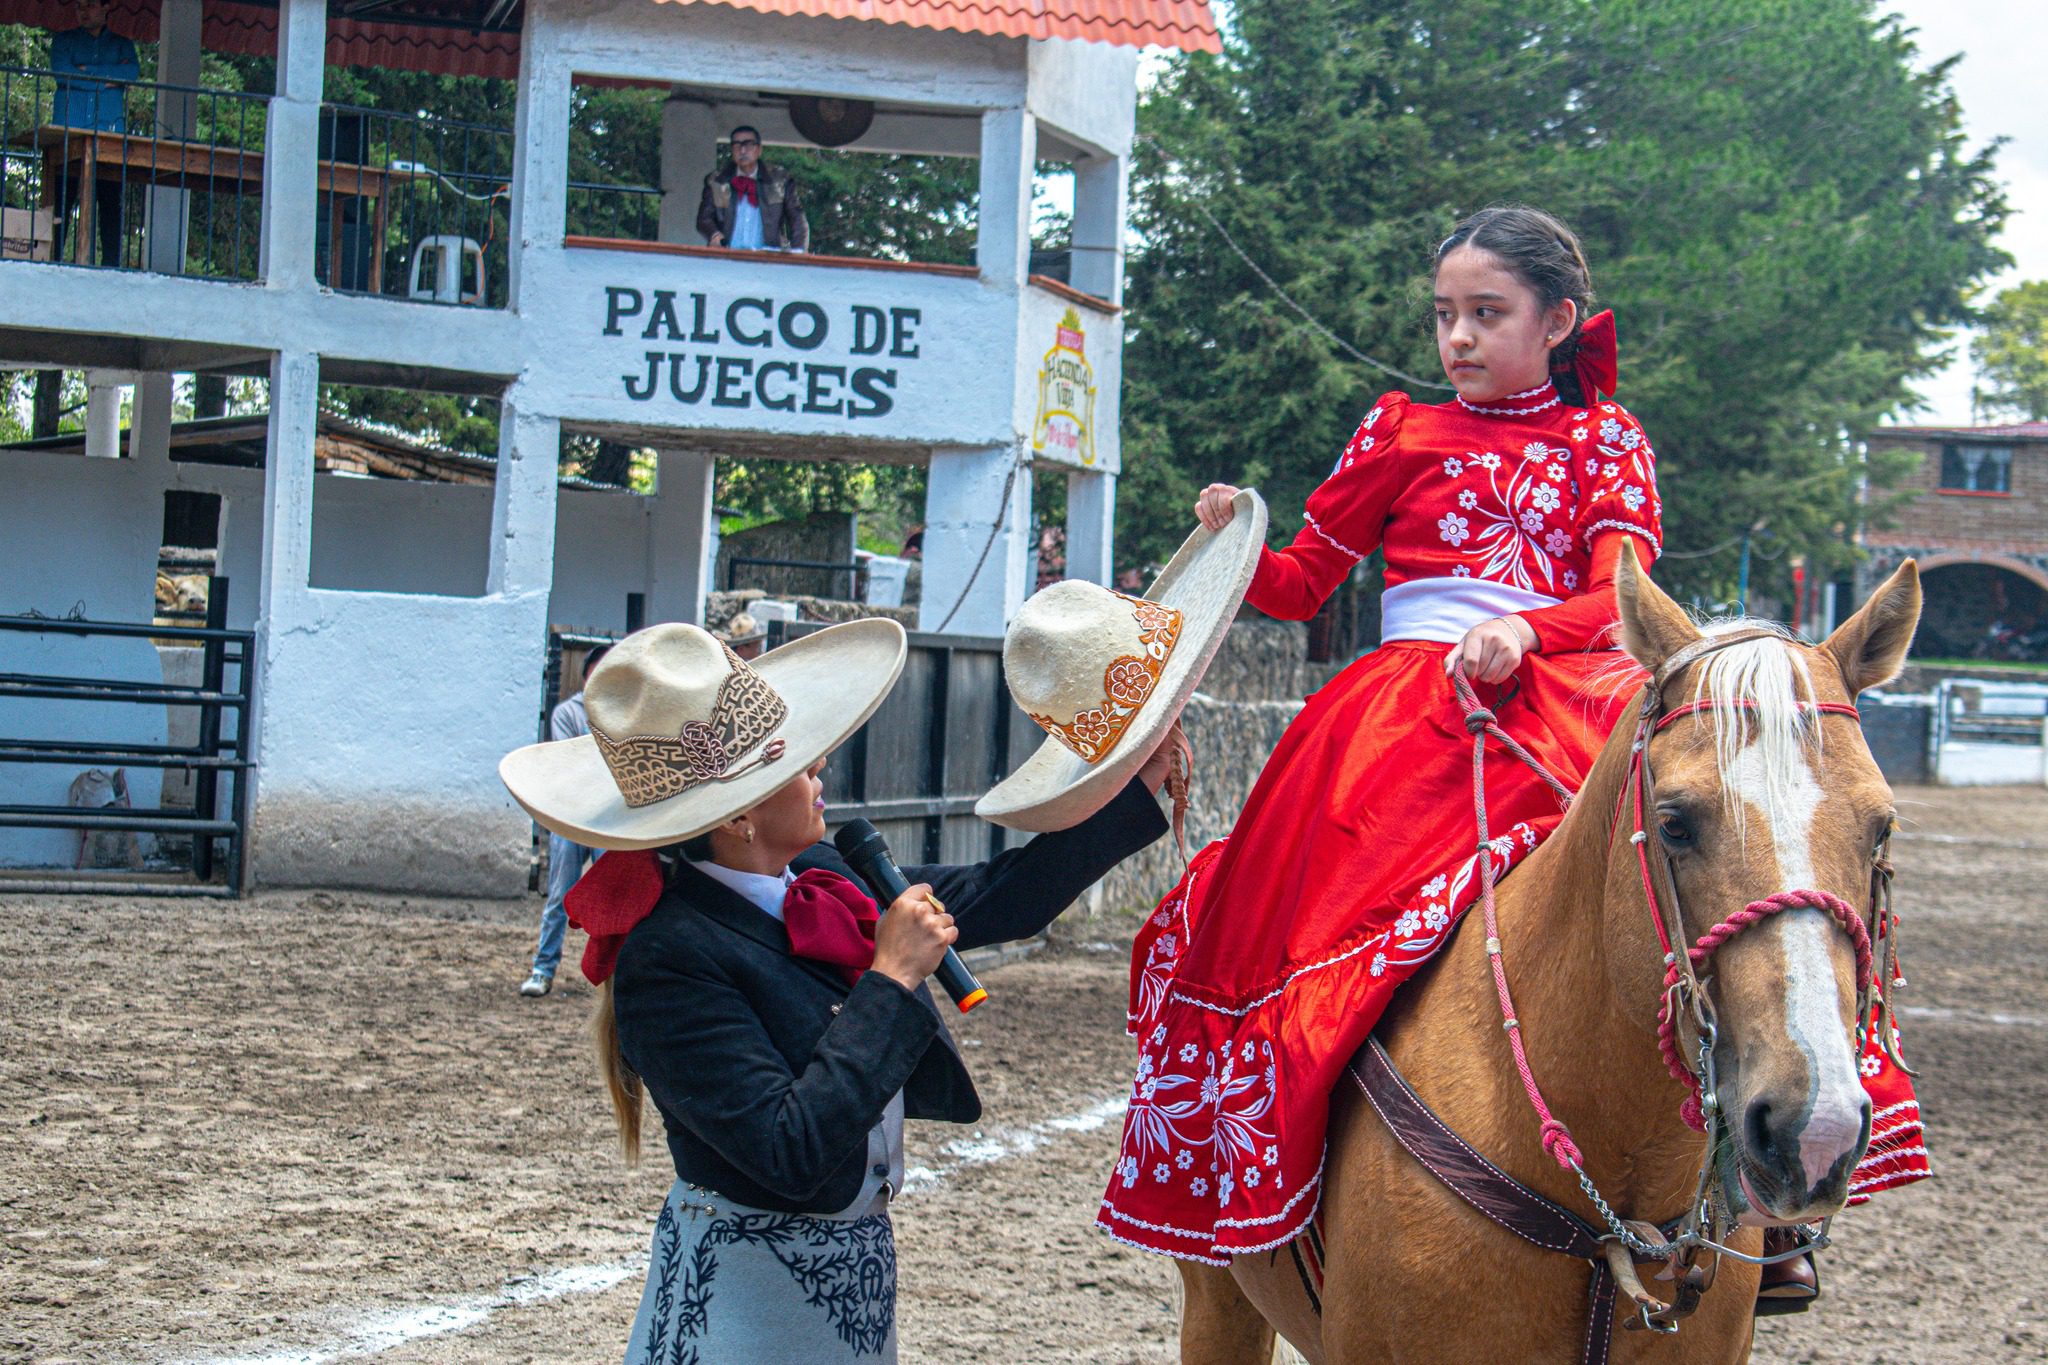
x=1579 y=433
x=1531 y=520
x=1468 y=500
x=1632 y=497
x=1555 y=473
x=1571 y=580
x=1453 y=466
x=1544 y=497
x=1460 y=571
x=1489 y=460
x=1559 y=544
x=1453 y=528
x=1610 y=430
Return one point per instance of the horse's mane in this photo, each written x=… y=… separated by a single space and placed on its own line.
x=1769 y=687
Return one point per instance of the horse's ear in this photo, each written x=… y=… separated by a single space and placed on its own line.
x=1871 y=645
x=1653 y=627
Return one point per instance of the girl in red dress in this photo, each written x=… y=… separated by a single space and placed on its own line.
x=1502 y=515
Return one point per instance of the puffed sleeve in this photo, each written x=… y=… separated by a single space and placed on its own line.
x=1346 y=518
x=1620 y=469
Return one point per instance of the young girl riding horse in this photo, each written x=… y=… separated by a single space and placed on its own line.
x=1502 y=515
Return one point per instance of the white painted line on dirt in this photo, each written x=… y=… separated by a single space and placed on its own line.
x=1000 y=1144
x=374 y=1333
x=1971 y=1016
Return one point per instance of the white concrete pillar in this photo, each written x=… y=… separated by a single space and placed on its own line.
x=523 y=501
x=540 y=154
x=103 y=414
x=177 y=116
x=1009 y=151
x=679 y=537
x=149 y=418
x=1091 y=526
x=689 y=153
x=288 y=481
x=291 y=146
x=1100 y=188
x=978 y=560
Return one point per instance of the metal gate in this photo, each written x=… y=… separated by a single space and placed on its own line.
x=946 y=733
x=217 y=822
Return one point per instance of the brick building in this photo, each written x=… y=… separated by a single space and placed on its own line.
x=1977 y=521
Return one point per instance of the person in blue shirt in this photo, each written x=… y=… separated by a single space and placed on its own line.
x=88 y=61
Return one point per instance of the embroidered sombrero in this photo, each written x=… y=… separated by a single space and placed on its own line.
x=1105 y=675
x=684 y=734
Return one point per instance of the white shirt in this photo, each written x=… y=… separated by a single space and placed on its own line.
x=757 y=889
x=746 y=223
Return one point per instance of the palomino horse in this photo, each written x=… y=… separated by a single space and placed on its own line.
x=1763 y=792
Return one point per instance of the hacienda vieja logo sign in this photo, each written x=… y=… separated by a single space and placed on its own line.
x=757 y=352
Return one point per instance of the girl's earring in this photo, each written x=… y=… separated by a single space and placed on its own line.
x=750 y=834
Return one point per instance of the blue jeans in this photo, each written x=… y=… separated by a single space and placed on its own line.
x=565 y=865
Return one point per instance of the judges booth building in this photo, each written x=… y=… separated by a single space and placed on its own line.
x=384 y=639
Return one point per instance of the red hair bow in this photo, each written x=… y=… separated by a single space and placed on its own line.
x=616 y=893
x=1597 y=364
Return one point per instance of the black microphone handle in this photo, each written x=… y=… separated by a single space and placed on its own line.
x=864 y=849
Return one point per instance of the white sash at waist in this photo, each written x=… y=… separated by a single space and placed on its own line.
x=1443 y=609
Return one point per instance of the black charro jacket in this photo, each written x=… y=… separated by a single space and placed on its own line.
x=768 y=1070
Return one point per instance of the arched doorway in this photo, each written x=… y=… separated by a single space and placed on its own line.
x=1983 y=609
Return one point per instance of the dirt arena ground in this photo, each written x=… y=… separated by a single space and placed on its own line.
x=316 y=1127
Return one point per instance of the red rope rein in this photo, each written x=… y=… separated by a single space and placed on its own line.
x=1480 y=722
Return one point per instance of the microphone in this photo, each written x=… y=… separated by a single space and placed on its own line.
x=867 y=853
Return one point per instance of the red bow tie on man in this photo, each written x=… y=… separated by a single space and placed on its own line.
x=743 y=186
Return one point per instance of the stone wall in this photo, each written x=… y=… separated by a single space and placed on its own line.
x=821 y=538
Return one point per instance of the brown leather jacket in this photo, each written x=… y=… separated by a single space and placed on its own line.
x=782 y=211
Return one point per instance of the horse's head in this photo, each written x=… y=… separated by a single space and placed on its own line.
x=1761 y=794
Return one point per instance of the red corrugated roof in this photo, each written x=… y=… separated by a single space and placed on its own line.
x=1185 y=24
x=443 y=49
x=2015 y=431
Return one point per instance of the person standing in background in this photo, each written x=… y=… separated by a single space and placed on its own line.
x=89 y=60
x=566 y=860
x=750 y=206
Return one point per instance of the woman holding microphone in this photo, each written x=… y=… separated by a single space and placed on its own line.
x=745 y=982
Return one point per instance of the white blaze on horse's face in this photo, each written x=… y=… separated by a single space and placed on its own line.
x=1836 y=1111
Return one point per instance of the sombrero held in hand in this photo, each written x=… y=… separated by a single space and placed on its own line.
x=1105 y=675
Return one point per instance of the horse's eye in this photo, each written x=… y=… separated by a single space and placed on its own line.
x=1671 y=826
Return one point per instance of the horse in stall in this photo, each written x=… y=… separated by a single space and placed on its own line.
x=1765 y=787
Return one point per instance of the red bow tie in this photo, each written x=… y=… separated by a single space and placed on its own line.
x=829 y=918
x=743 y=186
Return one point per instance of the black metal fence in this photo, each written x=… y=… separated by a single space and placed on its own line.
x=947 y=733
x=131 y=175
x=413 y=206
x=218 y=838
x=627 y=212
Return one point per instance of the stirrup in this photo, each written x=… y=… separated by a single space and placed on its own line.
x=1791 y=1285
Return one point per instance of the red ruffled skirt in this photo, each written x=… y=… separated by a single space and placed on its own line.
x=1263 y=971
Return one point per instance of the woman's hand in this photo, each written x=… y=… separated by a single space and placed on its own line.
x=1493 y=649
x=1155 y=769
x=913 y=937
x=1213 y=507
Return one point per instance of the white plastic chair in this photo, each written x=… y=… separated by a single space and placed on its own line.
x=445 y=255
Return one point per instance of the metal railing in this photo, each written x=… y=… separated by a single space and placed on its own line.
x=131 y=175
x=413 y=206
x=624 y=212
x=855 y=572
x=220 y=751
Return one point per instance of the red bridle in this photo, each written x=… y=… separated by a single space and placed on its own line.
x=1679 y=978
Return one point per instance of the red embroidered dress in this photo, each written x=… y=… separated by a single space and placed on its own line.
x=1264 y=970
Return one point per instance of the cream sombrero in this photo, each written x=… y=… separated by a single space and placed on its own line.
x=684 y=734
x=1105 y=675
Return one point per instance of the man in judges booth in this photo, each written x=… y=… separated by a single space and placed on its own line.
x=752 y=206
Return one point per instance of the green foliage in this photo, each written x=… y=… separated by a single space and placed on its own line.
x=2012 y=352
x=1776 y=201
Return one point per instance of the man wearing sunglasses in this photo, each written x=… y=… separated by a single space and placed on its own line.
x=749 y=206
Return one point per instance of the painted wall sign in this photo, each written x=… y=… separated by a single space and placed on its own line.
x=1065 y=426
x=757 y=352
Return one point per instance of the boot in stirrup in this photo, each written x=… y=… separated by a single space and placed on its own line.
x=1790 y=1285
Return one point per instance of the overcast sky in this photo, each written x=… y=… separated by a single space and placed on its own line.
x=1999 y=83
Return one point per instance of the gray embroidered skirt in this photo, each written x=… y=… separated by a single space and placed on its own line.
x=731 y=1285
